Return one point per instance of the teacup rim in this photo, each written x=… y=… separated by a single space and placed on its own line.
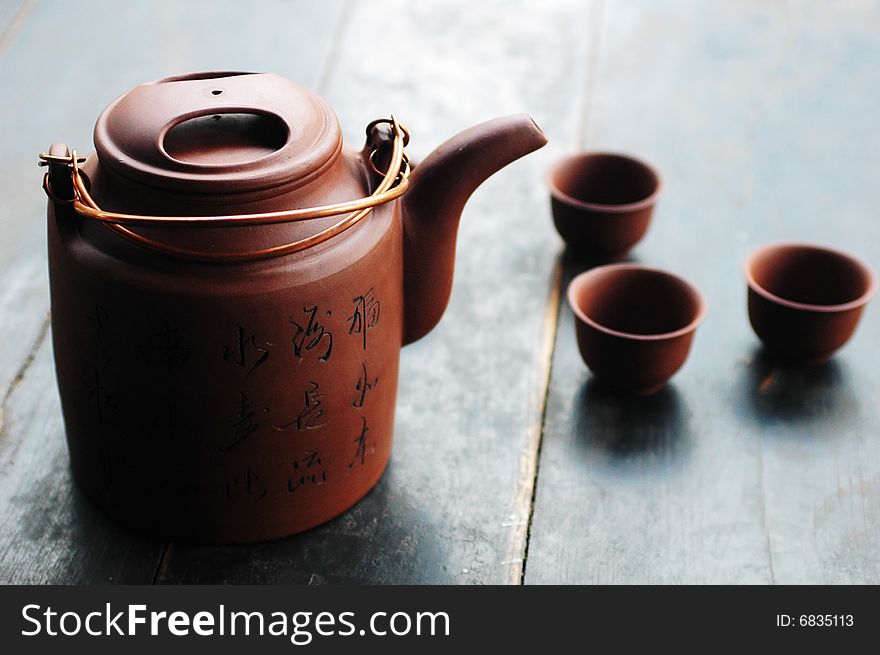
x=623 y=208
x=808 y=307
x=579 y=280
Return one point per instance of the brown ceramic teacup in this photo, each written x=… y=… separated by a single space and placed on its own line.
x=602 y=202
x=805 y=301
x=635 y=324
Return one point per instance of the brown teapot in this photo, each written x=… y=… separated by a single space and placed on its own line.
x=230 y=290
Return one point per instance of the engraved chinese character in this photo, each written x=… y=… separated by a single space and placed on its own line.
x=250 y=485
x=307 y=470
x=313 y=414
x=158 y=414
x=100 y=320
x=362 y=386
x=361 y=441
x=247 y=352
x=311 y=335
x=242 y=425
x=165 y=347
x=365 y=316
x=105 y=402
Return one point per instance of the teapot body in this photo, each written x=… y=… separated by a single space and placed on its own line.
x=230 y=291
x=226 y=402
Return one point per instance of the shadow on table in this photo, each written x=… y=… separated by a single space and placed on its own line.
x=776 y=392
x=632 y=435
x=386 y=538
x=573 y=263
x=60 y=537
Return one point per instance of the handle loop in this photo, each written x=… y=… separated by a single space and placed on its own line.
x=393 y=185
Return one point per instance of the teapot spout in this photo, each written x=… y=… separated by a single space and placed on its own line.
x=439 y=188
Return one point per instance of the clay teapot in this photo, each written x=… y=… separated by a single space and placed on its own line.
x=230 y=290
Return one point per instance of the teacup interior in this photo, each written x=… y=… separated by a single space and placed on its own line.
x=605 y=179
x=638 y=301
x=810 y=275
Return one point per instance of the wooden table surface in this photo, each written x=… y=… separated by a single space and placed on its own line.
x=510 y=465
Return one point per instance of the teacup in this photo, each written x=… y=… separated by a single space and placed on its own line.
x=635 y=324
x=804 y=300
x=602 y=202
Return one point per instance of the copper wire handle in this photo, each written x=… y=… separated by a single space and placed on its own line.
x=393 y=185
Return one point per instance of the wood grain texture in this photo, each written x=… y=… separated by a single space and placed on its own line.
x=48 y=534
x=13 y=14
x=761 y=117
x=453 y=506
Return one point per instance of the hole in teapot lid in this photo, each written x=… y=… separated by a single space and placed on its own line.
x=204 y=75
x=223 y=139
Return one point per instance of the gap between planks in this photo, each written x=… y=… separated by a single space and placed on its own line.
x=530 y=461
x=14 y=25
x=585 y=104
x=8 y=32
x=22 y=370
x=162 y=563
x=328 y=67
x=524 y=499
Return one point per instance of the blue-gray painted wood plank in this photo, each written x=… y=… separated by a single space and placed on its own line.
x=762 y=117
x=12 y=14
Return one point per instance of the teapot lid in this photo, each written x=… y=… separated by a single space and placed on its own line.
x=219 y=132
